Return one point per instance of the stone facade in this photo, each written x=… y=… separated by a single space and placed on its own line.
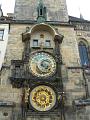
x=56 y=10
x=74 y=80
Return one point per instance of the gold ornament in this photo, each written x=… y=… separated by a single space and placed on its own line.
x=42 y=98
x=26 y=94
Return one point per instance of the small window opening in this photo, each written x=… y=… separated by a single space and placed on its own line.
x=35 y=43
x=41 y=12
x=1 y=34
x=48 y=43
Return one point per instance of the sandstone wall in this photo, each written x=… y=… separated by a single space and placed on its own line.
x=27 y=10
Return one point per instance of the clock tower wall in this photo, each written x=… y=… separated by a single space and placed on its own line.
x=70 y=56
x=72 y=79
x=56 y=10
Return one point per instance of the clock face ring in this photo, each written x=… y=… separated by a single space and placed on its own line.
x=43 y=98
x=42 y=64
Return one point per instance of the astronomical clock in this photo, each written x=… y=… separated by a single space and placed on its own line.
x=42 y=64
x=40 y=70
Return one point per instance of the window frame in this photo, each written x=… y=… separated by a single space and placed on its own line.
x=40 y=12
x=1 y=34
x=48 y=41
x=83 y=53
x=34 y=40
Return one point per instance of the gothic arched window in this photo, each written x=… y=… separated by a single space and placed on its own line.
x=83 y=51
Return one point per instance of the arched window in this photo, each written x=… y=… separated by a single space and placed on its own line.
x=83 y=51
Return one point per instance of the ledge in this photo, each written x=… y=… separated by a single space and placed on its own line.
x=34 y=22
x=82 y=102
x=7 y=104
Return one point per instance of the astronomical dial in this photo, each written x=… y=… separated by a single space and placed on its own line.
x=42 y=98
x=42 y=64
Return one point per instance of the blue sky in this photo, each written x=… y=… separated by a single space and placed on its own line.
x=74 y=7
